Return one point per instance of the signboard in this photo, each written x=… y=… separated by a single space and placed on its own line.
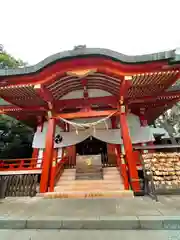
x=89 y=167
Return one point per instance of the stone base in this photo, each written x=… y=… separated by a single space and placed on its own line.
x=90 y=194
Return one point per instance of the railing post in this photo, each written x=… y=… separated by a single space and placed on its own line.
x=52 y=175
x=34 y=156
x=122 y=166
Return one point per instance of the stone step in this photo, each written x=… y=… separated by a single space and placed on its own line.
x=66 y=178
x=111 y=174
x=90 y=185
x=110 y=169
x=68 y=173
x=112 y=177
x=105 y=176
x=88 y=177
x=86 y=189
x=79 y=182
x=90 y=194
x=101 y=183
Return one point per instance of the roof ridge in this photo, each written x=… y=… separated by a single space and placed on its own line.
x=80 y=52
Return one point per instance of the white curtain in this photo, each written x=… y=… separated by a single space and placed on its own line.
x=113 y=136
x=141 y=135
x=68 y=139
x=109 y=136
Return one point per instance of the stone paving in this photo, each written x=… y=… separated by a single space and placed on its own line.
x=88 y=235
x=138 y=206
x=123 y=213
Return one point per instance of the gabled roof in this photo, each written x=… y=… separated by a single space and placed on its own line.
x=171 y=56
x=152 y=76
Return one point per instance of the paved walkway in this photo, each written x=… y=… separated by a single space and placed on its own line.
x=138 y=206
x=140 y=212
x=88 y=235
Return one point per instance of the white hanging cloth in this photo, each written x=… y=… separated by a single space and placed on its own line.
x=113 y=136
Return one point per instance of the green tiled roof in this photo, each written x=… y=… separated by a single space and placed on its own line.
x=171 y=56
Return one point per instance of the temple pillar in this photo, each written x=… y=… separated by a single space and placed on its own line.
x=128 y=148
x=47 y=155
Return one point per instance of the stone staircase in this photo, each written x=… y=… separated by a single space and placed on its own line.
x=92 y=173
x=111 y=186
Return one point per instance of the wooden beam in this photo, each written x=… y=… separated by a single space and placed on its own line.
x=44 y=94
x=78 y=102
x=87 y=114
x=7 y=108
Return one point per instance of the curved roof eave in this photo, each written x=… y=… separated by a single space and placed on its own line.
x=84 y=52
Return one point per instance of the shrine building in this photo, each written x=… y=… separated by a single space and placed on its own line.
x=90 y=109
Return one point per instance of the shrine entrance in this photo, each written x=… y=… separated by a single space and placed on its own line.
x=90 y=158
x=93 y=146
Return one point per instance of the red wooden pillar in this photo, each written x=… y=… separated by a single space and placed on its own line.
x=126 y=137
x=120 y=158
x=47 y=156
x=129 y=150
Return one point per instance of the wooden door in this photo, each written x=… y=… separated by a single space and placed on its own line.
x=112 y=159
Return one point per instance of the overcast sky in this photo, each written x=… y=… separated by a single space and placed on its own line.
x=34 y=29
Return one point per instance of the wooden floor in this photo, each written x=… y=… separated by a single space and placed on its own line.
x=111 y=186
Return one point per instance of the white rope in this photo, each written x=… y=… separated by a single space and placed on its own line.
x=83 y=125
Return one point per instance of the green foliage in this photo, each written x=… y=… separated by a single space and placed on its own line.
x=8 y=61
x=170 y=120
x=15 y=137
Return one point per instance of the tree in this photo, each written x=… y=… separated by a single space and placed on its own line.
x=8 y=61
x=15 y=137
x=170 y=121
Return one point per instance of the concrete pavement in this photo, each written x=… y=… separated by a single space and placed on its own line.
x=88 y=235
x=137 y=213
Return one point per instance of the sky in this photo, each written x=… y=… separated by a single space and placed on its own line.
x=34 y=29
